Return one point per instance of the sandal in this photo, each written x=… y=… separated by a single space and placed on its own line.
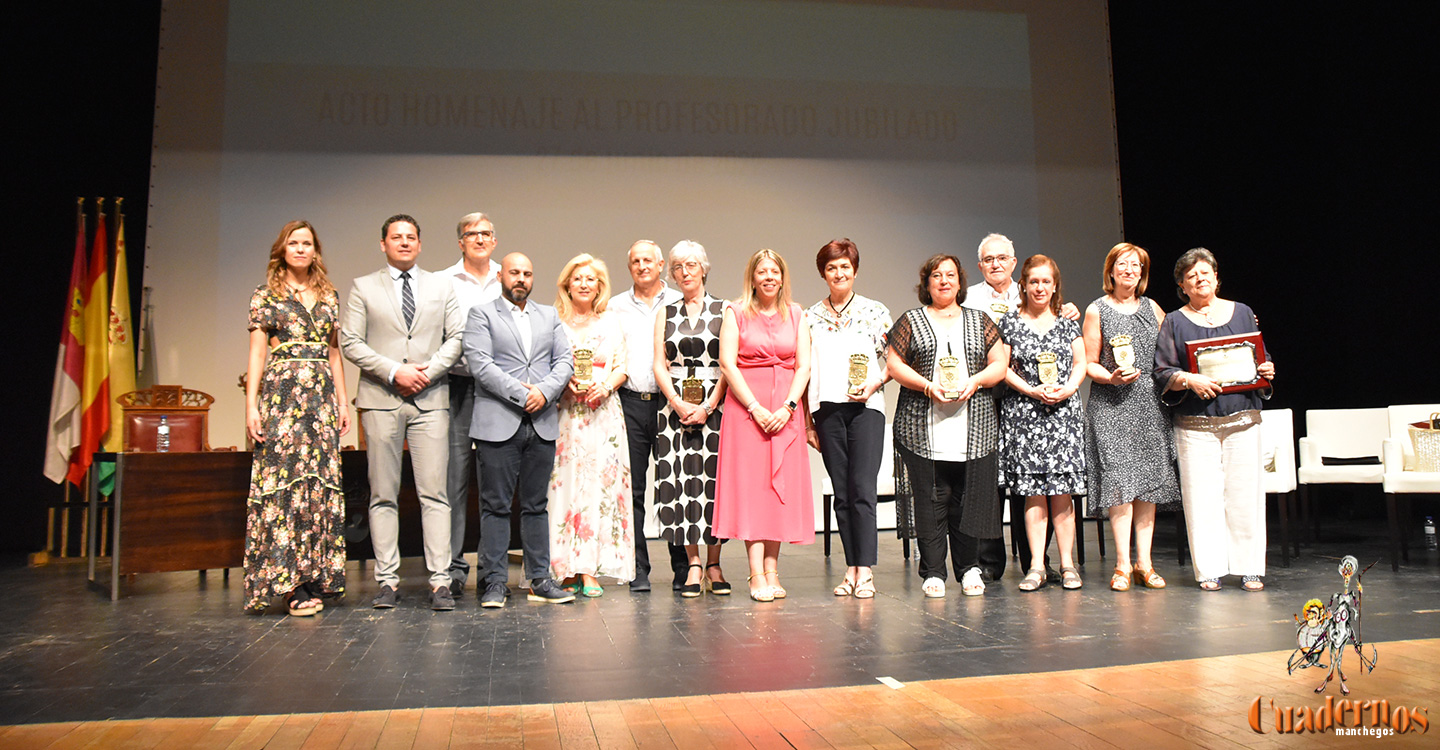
x=762 y=594
x=971 y=584
x=316 y=595
x=1149 y=578
x=1033 y=580
x=1252 y=583
x=719 y=588
x=1120 y=580
x=865 y=588
x=846 y=588
x=692 y=590
x=776 y=588
x=1210 y=584
x=301 y=603
x=934 y=588
x=1070 y=579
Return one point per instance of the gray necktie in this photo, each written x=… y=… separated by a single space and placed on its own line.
x=407 y=298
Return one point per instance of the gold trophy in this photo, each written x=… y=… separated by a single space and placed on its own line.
x=859 y=368
x=584 y=369
x=692 y=389
x=1049 y=369
x=1124 y=353
x=949 y=380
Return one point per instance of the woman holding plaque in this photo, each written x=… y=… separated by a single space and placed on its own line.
x=1043 y=440
x=591 y=533
x=1217 y=429
x=947 y=358
x=295 y=411
x=687 y=371
x=1128 y=446
x=762 y=494
x=847 y=425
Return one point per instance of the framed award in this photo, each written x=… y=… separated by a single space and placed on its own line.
x=584 y=369
x=1231 y=361
x=859 y=368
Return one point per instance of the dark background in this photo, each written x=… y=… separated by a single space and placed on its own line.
x=1289 y=138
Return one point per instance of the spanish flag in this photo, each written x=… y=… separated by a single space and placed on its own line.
x=63 y=434
x=122 y=342
x=95 y=391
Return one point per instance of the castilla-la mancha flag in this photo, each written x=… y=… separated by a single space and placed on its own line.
x=95 y=391
x=63 y=435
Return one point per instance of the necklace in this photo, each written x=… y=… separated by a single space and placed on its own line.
x=948 y=312
x=1205 y=314
x=841 y=309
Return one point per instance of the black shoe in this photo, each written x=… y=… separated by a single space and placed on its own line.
x=547 y=590
x=640 y=585
x=494 y=596
x=457 y=589
x=441 y=600
x=679 y=584
x=386 y=599
x=1051 y=575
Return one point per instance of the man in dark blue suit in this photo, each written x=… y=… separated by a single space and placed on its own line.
x=520 y=358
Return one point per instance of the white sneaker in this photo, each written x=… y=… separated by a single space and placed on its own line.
x=972 y=584
x=934 y=588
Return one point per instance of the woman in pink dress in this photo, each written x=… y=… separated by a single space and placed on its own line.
x=763 y=492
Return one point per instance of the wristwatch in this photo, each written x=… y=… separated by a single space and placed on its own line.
x=792 y=406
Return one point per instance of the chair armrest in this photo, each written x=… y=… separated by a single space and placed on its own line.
x=1392 y=454
x=1309 y=452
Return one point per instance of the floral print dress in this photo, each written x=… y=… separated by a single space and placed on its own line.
x=591 y=519
x=1042 y=448
x=295 y=515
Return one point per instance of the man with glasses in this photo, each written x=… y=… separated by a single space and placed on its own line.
x=640 y=396
x=996 y=295
x=476 y=280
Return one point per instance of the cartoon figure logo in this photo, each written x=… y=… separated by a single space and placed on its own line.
x=1332 y=628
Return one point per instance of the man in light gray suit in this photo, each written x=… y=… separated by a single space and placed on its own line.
x=518 y=353
x=403 y=329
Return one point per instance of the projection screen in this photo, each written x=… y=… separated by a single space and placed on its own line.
x=912 y=128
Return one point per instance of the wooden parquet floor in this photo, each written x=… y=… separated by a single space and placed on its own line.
x=1193 y=703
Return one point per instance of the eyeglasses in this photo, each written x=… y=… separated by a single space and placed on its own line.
x=993 y=259
x=478 y=236
x=1129 y=265
x=689 y=265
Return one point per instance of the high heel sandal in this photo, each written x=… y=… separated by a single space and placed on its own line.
x=692 y=590
x=776 y=588
x=846 y=588
x=301 y=603
x=865 y=588
x=721 y=587
x=1149 y=578
x=764 y=593
x=1120 y=580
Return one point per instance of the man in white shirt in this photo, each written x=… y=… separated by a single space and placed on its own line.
x=476 y=280
x=996 y=295
x=640 y=396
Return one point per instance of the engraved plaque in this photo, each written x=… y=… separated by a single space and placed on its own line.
x=1124 y=353
x=692 y=389
x=1049 y=369
x=584 y=369
x=949 y=376
x=859 y=368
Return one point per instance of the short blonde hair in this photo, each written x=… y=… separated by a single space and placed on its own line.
x=563 y=305
x=748 y=302
x=689 y=250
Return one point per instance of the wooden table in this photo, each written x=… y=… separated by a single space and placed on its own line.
x=186 y=511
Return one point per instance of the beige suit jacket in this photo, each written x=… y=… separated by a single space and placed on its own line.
x=374 y=337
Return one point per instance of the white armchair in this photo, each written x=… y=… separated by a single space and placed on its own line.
x=1402 y=477
x=1277 y=445
x=1340 y=433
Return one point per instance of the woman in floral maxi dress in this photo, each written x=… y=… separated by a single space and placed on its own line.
x=295 y=412
x=591 y=532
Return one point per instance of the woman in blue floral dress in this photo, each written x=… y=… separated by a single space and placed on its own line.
x=1042 y=435
x=295 y=411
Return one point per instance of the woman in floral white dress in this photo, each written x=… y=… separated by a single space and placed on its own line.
x=591 y=526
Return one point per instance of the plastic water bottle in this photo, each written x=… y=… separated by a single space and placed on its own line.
x=162 y=435
x=1430 y=532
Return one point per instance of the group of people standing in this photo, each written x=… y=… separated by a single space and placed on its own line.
x=564 y=407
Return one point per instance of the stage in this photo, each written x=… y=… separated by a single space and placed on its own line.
x=177 y=645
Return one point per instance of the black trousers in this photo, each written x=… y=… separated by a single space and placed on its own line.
x=642 y=426
x=939 y=488
x=522 y=463
x=851 y=440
